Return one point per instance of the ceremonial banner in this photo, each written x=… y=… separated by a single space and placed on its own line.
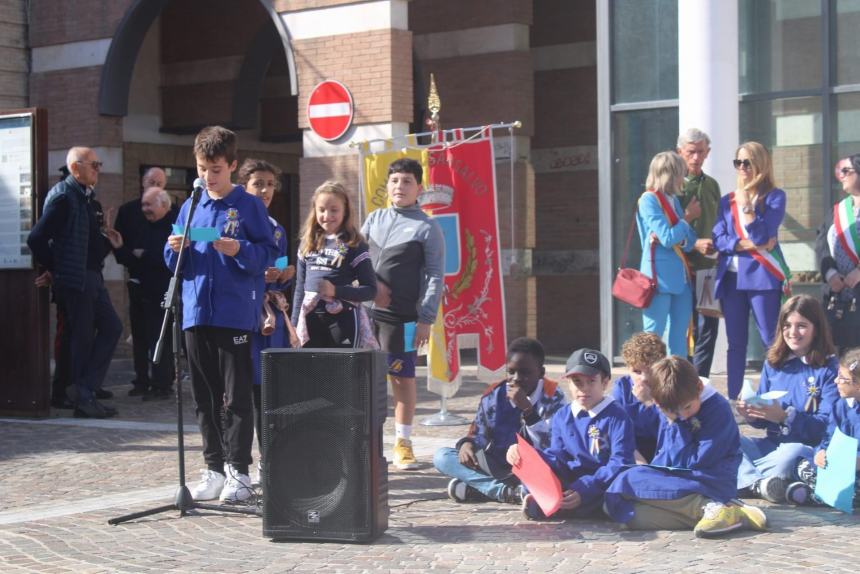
x=460 y=194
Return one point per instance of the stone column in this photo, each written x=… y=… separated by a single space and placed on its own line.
x=708 y=93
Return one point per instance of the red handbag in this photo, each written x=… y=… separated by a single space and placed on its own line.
x=631 y=285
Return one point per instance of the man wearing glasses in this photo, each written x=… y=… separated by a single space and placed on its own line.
x=69 y=243
x=694 y=146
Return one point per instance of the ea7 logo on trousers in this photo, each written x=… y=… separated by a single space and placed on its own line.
x=240 y=340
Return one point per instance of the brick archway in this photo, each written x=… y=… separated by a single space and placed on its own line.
x=119 y=65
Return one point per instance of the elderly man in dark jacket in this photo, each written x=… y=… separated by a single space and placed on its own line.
x=144 y=256
x=68 y=241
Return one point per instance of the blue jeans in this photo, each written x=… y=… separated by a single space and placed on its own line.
x=674 y=309
x=763 y=458
x=447 y=461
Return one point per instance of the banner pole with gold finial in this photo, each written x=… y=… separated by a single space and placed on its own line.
x=434 y=104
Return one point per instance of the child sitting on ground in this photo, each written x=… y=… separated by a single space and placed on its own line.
x=691 y=480
x=800 y=362
x=522 y=404
x=845 y=416
x=632 y=391
x=590 y=442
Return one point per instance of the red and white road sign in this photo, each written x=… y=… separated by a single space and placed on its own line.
x=330 y=110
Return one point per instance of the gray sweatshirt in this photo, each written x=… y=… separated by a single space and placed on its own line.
x=408 y=253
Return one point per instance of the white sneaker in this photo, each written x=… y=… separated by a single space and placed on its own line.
x=237 y=487
x=210 y=486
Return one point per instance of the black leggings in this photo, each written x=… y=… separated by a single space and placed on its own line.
x=338 y=331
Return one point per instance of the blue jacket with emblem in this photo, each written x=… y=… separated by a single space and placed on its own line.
x=696 y=456
x=219 y=290
x=589 y=448
x=497 y=422
x=811 y=392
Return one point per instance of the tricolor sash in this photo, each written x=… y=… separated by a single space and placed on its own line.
x=772 y=261
x=672 y=217
x=846 y=228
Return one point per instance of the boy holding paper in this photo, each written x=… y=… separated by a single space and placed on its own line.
x=522 y=404
x=590 y=442
x=222 y=293
x=691 y=480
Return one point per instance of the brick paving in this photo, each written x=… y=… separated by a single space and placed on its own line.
x=61 y=480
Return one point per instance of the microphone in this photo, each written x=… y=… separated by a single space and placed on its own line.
x=199 y=186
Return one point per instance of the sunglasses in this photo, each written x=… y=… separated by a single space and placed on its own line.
x=741 y=162
x=95 y=164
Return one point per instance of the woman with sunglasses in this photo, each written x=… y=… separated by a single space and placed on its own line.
x=841 y=265
x=751 y=271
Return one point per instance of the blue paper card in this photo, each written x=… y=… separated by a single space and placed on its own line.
x=204 y=234
x=748 y=395
x=282 y=262
x=835 y=482
x=409 y=337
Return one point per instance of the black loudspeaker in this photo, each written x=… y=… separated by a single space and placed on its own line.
x=324 y=475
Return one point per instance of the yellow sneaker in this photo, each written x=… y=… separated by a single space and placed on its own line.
x=719 y=519
x=754 y=517
x=404 y=458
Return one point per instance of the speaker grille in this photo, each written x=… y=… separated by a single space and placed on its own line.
x=322 y=428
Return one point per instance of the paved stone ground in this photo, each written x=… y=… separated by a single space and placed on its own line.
x=61 y=479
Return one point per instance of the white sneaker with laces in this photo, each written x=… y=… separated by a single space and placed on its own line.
x=237 y=487
x=210 y=486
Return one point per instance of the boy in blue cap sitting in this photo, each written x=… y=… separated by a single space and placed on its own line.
x=591 y=441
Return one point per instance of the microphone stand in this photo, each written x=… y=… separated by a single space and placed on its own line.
x=172 y=305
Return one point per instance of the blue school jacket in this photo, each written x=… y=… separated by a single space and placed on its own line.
x=707 y=446
x=650 y=218
x=497 y=422
x=219 y=290
x=588 y=448
x=769 y=214
x=845 y=416
x=802 y=381
x=645 y=418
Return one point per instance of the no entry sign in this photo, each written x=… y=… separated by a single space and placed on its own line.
x=330 y=110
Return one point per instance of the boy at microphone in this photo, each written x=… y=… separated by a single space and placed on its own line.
x=222 y=290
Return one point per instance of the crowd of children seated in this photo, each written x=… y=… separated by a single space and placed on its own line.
x=660 y=448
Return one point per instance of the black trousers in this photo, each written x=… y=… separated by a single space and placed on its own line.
x=221 y=380
x=137 y=317
x=93 y=330
x=705 y=331
x=162 y=374
x=61 y=378
x=338 y=331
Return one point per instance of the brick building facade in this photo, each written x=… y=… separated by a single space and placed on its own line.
x=135 y=79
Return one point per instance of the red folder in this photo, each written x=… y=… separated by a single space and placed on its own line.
x=538 y=477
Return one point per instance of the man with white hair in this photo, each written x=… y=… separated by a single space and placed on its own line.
x=69 y=243
x=152 y=277
x=130 y=223
x=694 y=146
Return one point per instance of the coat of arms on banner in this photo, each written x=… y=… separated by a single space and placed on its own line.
x=460 y=194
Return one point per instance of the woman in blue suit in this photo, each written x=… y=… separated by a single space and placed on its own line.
x=751 y=271
x=660 y=220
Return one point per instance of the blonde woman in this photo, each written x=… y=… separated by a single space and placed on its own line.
x=665 y=226
x=751 y=271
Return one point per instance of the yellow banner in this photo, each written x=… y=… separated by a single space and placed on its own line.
x=375 y=197
x=376 y=175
